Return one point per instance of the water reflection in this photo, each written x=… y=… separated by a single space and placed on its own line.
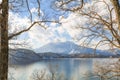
x=61 y=69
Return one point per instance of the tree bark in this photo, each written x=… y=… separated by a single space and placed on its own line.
x=117 y=11
x=4 y=40
x=116 y=6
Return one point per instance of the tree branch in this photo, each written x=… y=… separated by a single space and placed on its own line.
x=25 y=30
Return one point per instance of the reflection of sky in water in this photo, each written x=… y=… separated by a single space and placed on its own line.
x=72 y=69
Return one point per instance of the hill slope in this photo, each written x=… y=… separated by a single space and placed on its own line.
x=22 y=56
x=70 y=48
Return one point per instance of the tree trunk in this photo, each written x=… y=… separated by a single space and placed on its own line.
x=117 y=11
x=4 y=40
x=116 y=6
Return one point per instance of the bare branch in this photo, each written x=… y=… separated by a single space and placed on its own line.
x=37 y=22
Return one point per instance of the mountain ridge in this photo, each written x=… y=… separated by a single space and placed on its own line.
x=58 y=50
x=70 y=48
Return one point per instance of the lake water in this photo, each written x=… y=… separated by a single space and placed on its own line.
x=56 y=69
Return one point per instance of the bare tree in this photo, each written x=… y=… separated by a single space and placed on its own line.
x=47 y=75
x=4 y=40
x=103 y=27
x=40 y=75
x=16 y=6
x=106 y=69
x=109 y=71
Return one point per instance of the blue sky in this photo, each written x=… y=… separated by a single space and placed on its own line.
x=33 y=35
x=38 y=36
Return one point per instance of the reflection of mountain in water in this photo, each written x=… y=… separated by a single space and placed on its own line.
x=76 y=67
x=68 y=69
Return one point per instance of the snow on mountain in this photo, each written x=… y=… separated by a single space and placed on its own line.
x=69 y=48
x=58 y=47
x=57 y=50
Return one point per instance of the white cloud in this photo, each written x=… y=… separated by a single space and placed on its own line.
x=71 y=23
x=42 y=36
x=38 y=36
x=74 y=20
x=17 y=23
x=53 y=24
x=36 y=11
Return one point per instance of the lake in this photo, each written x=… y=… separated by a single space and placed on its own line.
x=56 y=69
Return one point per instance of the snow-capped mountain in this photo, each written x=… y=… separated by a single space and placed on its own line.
x=57 y=50
x=70 y=48
x=58 y=47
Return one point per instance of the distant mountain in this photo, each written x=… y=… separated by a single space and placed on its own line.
x=71 y=49
x=114 y=51
x=57 y=50
x=22 y=56
x=58 y=47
